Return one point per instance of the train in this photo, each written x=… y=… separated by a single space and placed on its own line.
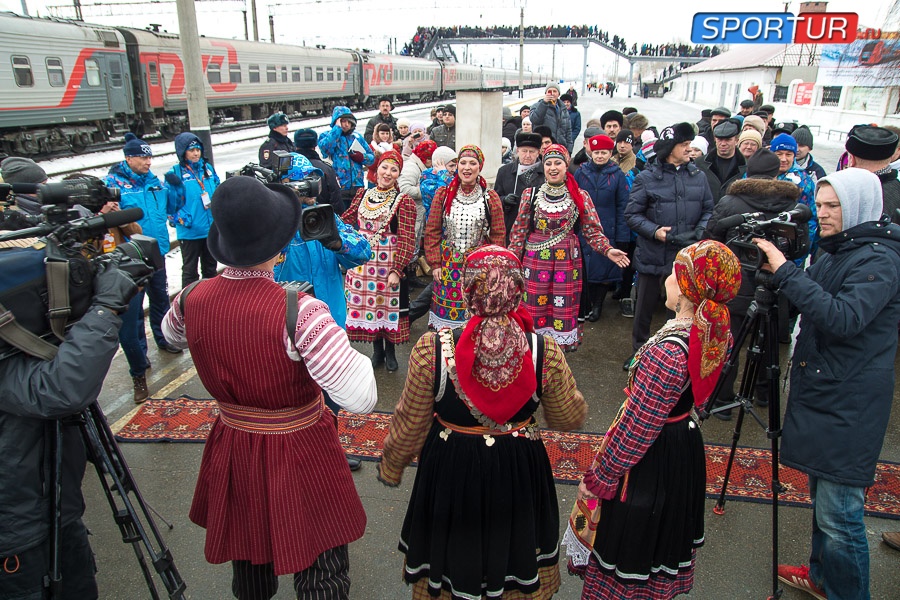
x=68 y=85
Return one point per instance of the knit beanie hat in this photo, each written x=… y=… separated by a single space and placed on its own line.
x=751 y=134
x=700 y=143
x=783 y=141
x=763 y=165
x=16 y=169
x=860 y=194
x=756 y=122
x=803 y=136
x=135 y=146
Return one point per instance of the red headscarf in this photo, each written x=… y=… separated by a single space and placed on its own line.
x=560 y=151
x=472 y=151
x=493 y=359
x=425 y=149
x=390 y=156
x=709 y=275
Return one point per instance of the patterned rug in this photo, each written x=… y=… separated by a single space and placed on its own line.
x=189 y=420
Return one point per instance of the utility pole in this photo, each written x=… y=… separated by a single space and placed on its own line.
x=25 y=7
x=198 y=113
x=255 y=26
x=521 y=49
x=77 y=4
x=246 y=32
x=272 y=27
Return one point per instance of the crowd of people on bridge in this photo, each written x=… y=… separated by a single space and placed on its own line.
x=508 y=275
x=423 y=35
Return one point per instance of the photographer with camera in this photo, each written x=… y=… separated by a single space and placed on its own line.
x=759 y=193
x=140 y=188
x=34 y=393
x=842 y=374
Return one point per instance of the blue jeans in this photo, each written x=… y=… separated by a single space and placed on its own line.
x=158 y=292
x=839 y=561
x=132 y=337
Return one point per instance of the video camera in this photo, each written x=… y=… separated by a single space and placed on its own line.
x=787 y=231
x=308 y=187
x=58 y=198
x=47 y=284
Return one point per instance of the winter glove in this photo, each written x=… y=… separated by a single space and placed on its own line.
x=357 y=157
x=335 y=245
x=511 y=200
x=173 y=179
x=113 y=288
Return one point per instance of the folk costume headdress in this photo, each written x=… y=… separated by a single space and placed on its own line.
x=473 y=151
x=493 y=359
x=559 y=151
x=391 y=156
x=709 y=275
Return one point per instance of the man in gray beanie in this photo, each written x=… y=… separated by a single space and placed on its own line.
x=551 y=112
x=16 y=169
x=842 y=374
x=803 y=159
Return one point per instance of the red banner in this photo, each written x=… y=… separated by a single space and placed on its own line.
x=804 y=93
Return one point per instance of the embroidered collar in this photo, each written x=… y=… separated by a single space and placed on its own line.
x=237 y=273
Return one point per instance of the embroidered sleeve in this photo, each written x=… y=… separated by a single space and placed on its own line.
x=414 y=413
x=433 y=229
x=406 y=234
x=340 y=370
x=591 y=227
x=351 y=215
x=522 y=227
x=658 y=380
x=564 y=406
x=498 y=227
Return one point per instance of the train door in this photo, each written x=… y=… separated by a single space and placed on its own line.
x=117 y=84
x=153 y=79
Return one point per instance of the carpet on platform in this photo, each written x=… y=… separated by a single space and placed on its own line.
x=188 y=419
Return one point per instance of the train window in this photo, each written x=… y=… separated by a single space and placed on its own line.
x=55 y=73
x=154 y=74
x=92 y=72
x=339 y=72
x=329 y=74
x=115 y=73
x=283 y=74
x=22 y=69
x=320 y=74
x=214 y=73
x=295 y=74
x=307 y=73
x=254 y=73
x=271 y=74
x=234 y=73
x=109 y=39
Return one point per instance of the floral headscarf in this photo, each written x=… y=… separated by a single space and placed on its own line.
x=469 y=150
x=425 y=149
x=493 y=359
x=709 y=275
x=561 y=152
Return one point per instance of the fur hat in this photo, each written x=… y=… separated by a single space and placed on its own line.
x=803 y=136
x=528 y=140
x=16 y=169
x=135 y=146
x=544 y=132
x=763 y=165
x=305 y=138
x=670 y=137
x=565 y=97
x=870 y=142
x=277 y=120
x=611 y=115
x=252 y=221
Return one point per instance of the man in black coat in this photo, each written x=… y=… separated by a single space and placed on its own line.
x=385 y=106
x=524 y=172
x=760 y=192
x=724 y=161
x=305 y=141
x=668 y=208
x=277 y=140
x=842 y=374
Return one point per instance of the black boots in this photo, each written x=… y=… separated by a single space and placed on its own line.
x=390 y=359
x=378 y=353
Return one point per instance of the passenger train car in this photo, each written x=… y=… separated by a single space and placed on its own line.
x=67 y=85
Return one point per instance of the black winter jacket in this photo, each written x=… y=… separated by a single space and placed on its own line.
x=663 y=196
x=842 y=370
x=275 y=141
x=33 y=393
x=508 y=183
x=890 y=189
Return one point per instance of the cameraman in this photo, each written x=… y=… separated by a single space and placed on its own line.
x=842 y=374
x=33 y=393
x=760 y=192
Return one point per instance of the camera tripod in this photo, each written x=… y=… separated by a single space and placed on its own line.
x=760 y=330
x=119 y=487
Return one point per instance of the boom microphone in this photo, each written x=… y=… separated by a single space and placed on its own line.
x=735 y=220
x=800 y=214
x=18 y=188
x=123 y=217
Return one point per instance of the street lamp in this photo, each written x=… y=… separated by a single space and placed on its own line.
x=521 y=48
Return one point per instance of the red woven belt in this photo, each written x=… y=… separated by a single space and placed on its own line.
x=270 y=422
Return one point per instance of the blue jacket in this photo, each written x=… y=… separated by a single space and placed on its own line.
x=575 y=120
x=335 y=145
x=842 y=370
x=609 y=192
x=145 y=192
x=313 y=262
x=663 y=196
x=429 y=183
x=807 y=186
x=184 y=203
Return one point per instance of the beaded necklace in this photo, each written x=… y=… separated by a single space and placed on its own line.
x=376 y=203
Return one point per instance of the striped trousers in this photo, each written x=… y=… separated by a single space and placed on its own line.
x=328 y=578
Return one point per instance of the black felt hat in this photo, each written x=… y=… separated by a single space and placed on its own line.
x=528 y=140
x=252 y=221
x=871 y=143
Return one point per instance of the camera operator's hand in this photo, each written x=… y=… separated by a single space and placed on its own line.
x=356 y=157
x=173 y=179
x=774 y=257
x=113 y=288
x=335 y=245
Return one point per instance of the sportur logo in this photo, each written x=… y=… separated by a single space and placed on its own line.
x=774 y=28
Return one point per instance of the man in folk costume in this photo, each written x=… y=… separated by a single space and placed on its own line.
x=274 y=491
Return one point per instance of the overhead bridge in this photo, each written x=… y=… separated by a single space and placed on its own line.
x=439 y=47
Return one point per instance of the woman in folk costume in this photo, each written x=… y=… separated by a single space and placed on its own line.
x=466 y=215
x=377 y=292
x=546 y=232
x=651 y=478
x=483 y=516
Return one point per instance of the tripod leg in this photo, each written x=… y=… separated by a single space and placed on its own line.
x=774 y=433
x=55 y=577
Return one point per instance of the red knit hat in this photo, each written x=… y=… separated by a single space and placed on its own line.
x=601 y=142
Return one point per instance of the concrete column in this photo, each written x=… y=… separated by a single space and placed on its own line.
x=195 y=82
x=630 y=76
x=584 y=69
x=479 y=117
